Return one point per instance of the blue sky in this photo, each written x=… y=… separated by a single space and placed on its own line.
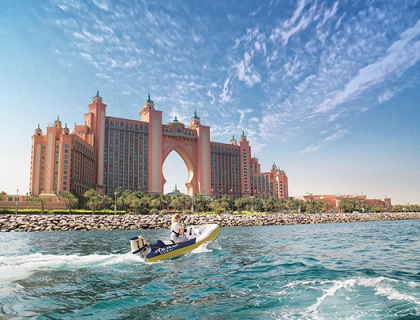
x=326 y=90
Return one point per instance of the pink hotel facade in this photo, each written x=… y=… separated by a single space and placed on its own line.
x=107 y=152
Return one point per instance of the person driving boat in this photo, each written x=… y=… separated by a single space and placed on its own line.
x=177 y=229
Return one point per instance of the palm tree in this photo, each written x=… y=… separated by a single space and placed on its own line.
x=133 y=202
x=176 y=203
x=217 y=205
x=144 y=201
x=348 y=205
x=229 y=200
x=42 y=202
x=162 y=201
x=93 y=199
x=240 y=203
x=327 y=206
x=266 y=204
x=154 y=203
x=38 y=200
x=195 y=203
x=69 y=199
x=292 y=204
x=186 y=201
x=105 y=201
x=280 y=204
x=271 y=203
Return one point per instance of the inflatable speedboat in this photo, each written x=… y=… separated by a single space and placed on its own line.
x=197 y=235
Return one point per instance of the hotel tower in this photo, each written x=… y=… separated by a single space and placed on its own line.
x=107 y=152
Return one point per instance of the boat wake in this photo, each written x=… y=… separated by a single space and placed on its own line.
x=20 y=267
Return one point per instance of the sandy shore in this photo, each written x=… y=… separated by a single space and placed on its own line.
x=30 y=223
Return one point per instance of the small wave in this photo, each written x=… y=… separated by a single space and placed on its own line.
x=381 y=286
x=205 y=247
x=330 y=292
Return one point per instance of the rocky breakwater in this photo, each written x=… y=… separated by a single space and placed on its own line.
x=27 y=223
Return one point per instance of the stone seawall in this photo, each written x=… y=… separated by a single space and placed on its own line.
x=26 y=223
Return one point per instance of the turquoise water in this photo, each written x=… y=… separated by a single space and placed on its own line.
x=365 y=270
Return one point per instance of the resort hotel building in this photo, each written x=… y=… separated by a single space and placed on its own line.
x=106 y=153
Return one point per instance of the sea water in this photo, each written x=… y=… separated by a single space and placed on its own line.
x=365 y=270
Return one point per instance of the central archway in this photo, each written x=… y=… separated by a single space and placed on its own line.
x=175 y=173
x=186 y=158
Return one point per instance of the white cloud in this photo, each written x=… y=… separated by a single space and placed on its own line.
x=311 y=149
x=303 y=23
x=330 y=13
x=296 y=14
x=317 y=146
x=401 y=55
x=210 y=94
x=385 y=96
x=304 y=84
x=87 y=36
x=296 y=23
x=242 y=117
x=291 y=67
x=246 y=72
x=225 y=96
x=102 y=4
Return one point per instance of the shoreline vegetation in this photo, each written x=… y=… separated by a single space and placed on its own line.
x=127 y=201
x=66 y=222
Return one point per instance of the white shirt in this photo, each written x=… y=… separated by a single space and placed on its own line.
x=175 y=227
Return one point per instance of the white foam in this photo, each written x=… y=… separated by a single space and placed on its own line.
x=384 y=287
x=393 y=294
x=381 y=285
x=330 y=292
x=203 y=248
x=20 y=267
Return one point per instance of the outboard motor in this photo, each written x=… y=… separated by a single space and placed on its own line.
x=137 y=244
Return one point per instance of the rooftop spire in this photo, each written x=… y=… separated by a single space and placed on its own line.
x=195 y=115
x=148 y=98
